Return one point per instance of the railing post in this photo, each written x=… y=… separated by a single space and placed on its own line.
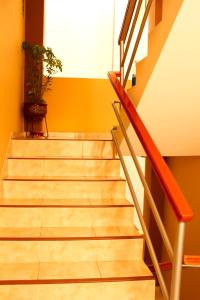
x=121 y=59
x=177 y=264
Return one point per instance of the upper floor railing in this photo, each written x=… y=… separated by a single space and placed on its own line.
x=128 y=28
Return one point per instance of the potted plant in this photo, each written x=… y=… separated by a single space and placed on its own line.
x=41 y=65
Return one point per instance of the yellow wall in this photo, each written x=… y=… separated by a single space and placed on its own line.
x=11 y=57
x=187 y=173
x=80 y=104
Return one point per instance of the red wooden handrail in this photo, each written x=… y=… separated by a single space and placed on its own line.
x=175 y=196
x=127 y=20
x=193 y=260
x=188 y=261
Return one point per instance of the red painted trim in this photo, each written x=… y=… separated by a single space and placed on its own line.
x=191 y=260
x=175 y=196
x=164 y=266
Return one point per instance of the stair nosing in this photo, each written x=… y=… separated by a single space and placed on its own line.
x=87 y=179
x=62 y=158
x=65 y=206
x=63 y=238
x=75 y=280
x=63 y=139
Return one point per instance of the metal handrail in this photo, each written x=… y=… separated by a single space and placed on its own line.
x=167 y=181
x=177 y=200
x=147 y=191
x=142 y=222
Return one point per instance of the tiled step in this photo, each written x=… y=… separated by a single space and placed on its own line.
x=70 y=250
x=69 y=233
x=122 y=290
x=85 y=271
x=23 y=217
x=85 y=187
x=63 y=167
x=65 y=203
x=103 y=280
x=61 y=148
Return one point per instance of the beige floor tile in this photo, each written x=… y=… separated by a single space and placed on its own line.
x=27 y=202
x=69 y=270
x=68 y=251
x=72 y=217
x=116 y=231
x=81 y=167
x=68 y=202
x=102 y=149
x=106 y=231
x=19 y=252
x=119 y=249
x=67 y=232
x=4 y=292
x=24 y=292
x=20 y=232
x=23 y=189
x=18 y=271
x=84 y=189
x=113 y=215
x=123 y=268
x=20 y=217
x=29 y=167
x=129 y=290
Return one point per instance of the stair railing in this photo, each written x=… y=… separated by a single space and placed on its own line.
x=174 y=195
x=126 y=34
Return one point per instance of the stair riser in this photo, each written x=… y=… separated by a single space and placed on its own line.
x=39 y=167
x=127 y=290
x=64 y=189
x=48 y=148
x=65 y=217
x=69 y=251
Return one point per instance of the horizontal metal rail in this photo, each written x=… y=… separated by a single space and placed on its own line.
x=170 y=187
x=142 y=222
x=146 y=187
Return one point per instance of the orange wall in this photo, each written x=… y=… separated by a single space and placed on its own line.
x=80 y=104
x=11 y=82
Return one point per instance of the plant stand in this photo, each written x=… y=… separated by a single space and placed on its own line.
x=34 y=114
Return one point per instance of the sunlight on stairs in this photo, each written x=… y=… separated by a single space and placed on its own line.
x=66 y=229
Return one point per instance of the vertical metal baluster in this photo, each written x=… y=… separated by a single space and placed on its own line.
x=121 y=59
x=177 y=264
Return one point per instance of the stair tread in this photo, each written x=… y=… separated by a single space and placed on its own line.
x=63 y=202
x=50 y=233
x=64 y=178
x=75 y=271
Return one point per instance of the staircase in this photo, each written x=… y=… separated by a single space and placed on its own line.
x=66 y=229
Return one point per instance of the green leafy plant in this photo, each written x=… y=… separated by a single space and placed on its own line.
x=42 y=64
